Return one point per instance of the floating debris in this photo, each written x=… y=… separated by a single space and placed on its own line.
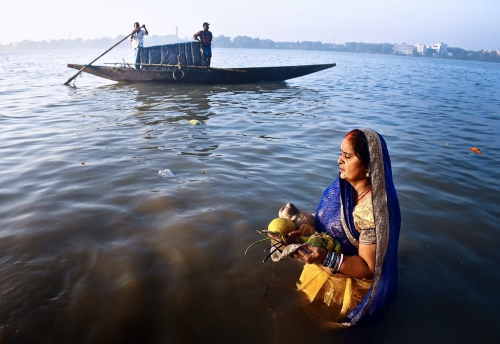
x=82 y=163
x=166 y=173
x=197 y=122
x=476 y=150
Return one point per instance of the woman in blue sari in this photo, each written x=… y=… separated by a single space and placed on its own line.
x=360 y=210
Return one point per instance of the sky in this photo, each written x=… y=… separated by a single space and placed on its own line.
x=471 y=25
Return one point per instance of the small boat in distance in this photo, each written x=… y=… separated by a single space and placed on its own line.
x=184 y=63
x=164 y=73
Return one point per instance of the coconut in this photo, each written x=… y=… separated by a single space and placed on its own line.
x=281 y=225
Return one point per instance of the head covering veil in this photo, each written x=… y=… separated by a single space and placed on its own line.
x=334 y=216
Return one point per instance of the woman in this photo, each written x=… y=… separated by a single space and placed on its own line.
x=361 y=211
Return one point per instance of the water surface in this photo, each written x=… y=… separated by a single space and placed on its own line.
x=97 y=247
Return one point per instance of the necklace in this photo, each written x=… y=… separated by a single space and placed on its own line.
x=363 y=194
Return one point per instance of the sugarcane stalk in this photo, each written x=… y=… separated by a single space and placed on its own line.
x=255 y=243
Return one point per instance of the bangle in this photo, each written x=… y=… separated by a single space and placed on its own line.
x=341 y=261
x=335 y=262
x=333 y=267
x=332 y=260
x=329 y=259
x=336 y=268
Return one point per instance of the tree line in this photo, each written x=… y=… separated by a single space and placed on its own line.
x=245 y=42
x=79 y=43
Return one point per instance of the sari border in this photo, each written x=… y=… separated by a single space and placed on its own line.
x=347 y=232
x=380 y=209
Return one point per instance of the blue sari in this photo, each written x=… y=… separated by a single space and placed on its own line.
x=334 y=216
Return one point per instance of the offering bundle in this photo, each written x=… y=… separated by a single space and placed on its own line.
x=286 y=239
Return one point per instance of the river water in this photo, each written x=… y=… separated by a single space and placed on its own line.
x=97 y=247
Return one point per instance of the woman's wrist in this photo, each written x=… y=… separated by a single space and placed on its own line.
x=333 y=261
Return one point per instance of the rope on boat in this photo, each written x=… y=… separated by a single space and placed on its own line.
x=178 y=74
x=125 y=64
x=179 y=71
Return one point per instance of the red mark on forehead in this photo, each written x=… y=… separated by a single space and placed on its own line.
x=350 y=136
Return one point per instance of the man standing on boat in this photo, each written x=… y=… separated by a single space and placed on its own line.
x=137 y=40
x=205 y=37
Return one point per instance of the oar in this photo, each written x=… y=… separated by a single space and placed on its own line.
x=85 y=66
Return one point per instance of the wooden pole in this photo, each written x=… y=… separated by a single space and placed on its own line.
x=104 y=53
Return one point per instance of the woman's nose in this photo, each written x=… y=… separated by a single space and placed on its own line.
x=339 y=160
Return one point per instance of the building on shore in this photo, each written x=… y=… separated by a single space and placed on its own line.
x=404 y=49
x=421 y=49
x=440 y=48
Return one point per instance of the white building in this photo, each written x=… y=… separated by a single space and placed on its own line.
x=421 y=49
x=404 y=49
x=441 y=48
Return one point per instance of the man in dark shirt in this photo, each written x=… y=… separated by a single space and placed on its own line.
x=205 y=37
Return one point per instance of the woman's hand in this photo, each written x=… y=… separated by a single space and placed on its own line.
x=310 y=254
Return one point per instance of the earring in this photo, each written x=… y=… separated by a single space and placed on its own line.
x=368 y=174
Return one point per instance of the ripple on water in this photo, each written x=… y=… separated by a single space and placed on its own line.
x=110 y=251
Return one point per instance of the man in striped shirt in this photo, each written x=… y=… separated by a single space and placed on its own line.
x=205 y=37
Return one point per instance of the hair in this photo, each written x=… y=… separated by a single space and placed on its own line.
x=360 y=145
x=136 y=24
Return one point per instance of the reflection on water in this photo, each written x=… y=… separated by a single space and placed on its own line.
x=98 y=247
x=157 y=105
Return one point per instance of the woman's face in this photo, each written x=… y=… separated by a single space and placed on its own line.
x=351 y=167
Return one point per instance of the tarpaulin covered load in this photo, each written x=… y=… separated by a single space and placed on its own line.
x=190 y=53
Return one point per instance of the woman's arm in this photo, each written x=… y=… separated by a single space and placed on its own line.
x=360 y=266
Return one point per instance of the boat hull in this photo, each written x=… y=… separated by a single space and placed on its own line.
x=202 y=75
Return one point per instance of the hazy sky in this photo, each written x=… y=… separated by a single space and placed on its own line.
x=471 y=24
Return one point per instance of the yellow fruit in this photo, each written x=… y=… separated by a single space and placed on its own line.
x=281 y=225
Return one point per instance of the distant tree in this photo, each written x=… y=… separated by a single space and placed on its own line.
x=284 y=45
x=249 y=42
x=242 y=42
x=457 y=53
x=305 y=45
x=386 y=48
x=255 y=43
x=431 y=52
x=266 y=44
x=350 y=46
x=358 y=47
x=222 y=42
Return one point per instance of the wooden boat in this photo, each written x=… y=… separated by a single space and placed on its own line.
x=163 y=73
